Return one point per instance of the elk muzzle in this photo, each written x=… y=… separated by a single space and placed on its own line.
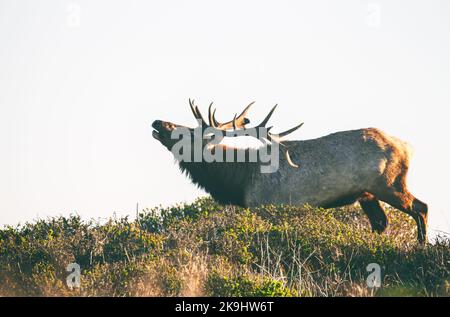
x=162 y=131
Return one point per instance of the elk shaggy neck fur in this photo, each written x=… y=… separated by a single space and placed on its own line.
x=227 y=182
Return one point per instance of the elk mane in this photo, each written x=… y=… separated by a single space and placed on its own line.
x=225 y=181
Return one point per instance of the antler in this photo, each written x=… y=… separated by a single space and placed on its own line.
x=277 y=138
x=197 y=113
x=272 y=137
x=238 y=122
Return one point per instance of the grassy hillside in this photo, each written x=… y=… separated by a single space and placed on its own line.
x=203 y=249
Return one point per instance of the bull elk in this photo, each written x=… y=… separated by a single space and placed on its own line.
x=365 y=166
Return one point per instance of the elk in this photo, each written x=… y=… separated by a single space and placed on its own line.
x=365 y=166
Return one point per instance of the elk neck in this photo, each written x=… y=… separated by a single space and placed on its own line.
x=227 y=182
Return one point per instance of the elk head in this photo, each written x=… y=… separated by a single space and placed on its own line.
x=212 y=133
x=165 y=132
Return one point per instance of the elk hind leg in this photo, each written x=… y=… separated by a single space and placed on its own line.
x=412 y=206
x=375 y=212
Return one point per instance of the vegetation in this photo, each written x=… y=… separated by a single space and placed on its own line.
x=205 y=249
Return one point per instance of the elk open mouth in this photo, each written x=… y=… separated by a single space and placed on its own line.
x=155 y=134
x=156 y=130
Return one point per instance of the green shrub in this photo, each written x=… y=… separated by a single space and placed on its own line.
x=207 y=249
x=247 y=286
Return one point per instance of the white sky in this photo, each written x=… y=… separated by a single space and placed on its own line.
x=81 y=82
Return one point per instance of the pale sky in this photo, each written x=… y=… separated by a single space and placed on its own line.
x=82 y=81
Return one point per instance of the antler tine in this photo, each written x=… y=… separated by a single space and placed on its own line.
x=197 y=113
x=212 y=122
x=191 y=104
x=244 y=112
x=200 y=116
x=240 y=121
x=283 y=134
x=234 y=122
x=289 y=160
x=214 y=118
x=264 y=122
x=278 y=137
